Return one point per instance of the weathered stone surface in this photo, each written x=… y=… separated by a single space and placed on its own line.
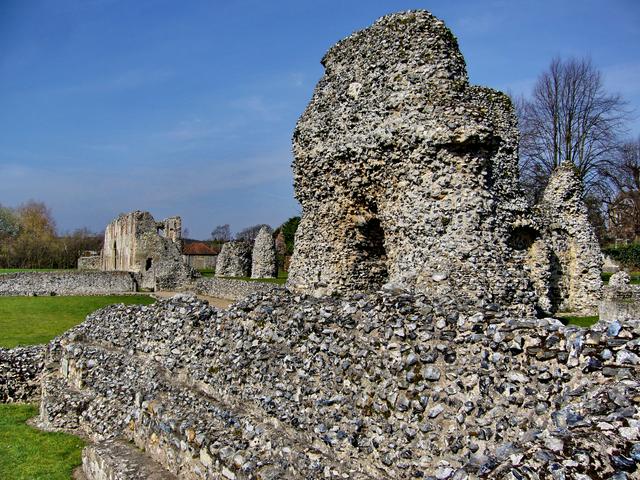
x=20 y=373
x=90 y=262
x=263 y=257
x=620 y=300
x=66 y=283
x=619 y=280
x=407 y=174
x=132 y=243
x=572 y=262
x=365 y=386
x=234 y=260
x=408 y=178
x=117 y=460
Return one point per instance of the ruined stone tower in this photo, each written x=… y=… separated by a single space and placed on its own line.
x=406 y=173
x=135 y=242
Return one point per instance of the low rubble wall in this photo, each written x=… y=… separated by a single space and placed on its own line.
x=20 y=373
x=231 y=289
x=622 y=304
x=366 y=386
x=66 y=283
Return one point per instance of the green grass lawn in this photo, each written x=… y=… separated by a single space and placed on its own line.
x=634 y=277
x=281 y=280
x=580 y=321
x=29 y=454
x=33 y=320
x=16 y=270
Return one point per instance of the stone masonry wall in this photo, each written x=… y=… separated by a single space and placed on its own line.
x=365 y=386
x=407 y=174
x=66 y=283
x=573 y=257
x=620 y=300
x=263 y=257
x=93 y=262
x=20 y=373
x=132 y=243
x=234 y=260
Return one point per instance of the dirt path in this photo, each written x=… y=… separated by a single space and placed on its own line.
x=215 y=301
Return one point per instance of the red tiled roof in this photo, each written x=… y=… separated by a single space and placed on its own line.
x=198 y=248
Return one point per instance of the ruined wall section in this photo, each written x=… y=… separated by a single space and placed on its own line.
x=234 y=260
x=406 y=174
x=66 y=283
x=90 y=262
x=574 y=259
x=133 y=243
x=172 y=227
x=263 y=256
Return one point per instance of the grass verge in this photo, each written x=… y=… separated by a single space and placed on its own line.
x=634 y=277
x=29 y=454
x=17 y=270
x=33 y=320
x=579 y=321
x=281 y=280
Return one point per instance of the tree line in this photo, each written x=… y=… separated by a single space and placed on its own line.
x=28 y=239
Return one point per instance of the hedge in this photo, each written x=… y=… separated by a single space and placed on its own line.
x=627 y=255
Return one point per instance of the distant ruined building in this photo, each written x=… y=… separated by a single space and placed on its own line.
x=135 y=242
x=408 y=178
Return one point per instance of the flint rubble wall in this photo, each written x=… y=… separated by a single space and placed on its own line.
x=364 y=386
x=66 y=283
x=20 y=373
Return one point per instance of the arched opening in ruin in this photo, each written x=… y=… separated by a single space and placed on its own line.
x=369 y=267
x=148 y=264
x=522 y=238
x=115 y=256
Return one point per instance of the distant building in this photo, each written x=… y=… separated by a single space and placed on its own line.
x=199 y=255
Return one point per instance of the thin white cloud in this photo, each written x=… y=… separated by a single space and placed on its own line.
x=90 y=186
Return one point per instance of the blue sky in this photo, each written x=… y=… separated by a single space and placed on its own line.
x=187 y=107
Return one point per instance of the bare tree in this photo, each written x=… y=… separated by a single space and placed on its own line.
x=570 y=118
x=624 y=176
x=249 y=234
x=222 y=233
